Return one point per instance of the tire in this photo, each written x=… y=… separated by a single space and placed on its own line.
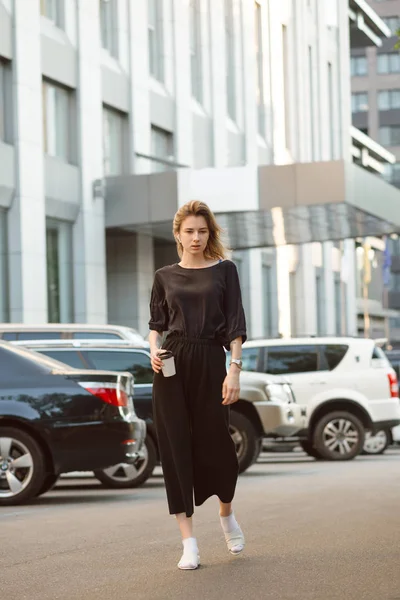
x=22 y=466
x=49 y=482
x=376 y=444
x=124 y=475
x=339 y=435
x=245 y=438
x=309 y=449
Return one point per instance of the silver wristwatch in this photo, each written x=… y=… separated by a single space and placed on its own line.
x=237 y=362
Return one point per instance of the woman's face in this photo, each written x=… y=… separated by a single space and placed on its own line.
x=194 y=234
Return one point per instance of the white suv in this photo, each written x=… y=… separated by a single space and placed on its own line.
x=347 y=385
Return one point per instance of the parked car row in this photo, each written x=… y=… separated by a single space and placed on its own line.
x=267 y=405
x=334 y=396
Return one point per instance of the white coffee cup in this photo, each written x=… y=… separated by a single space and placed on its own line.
x=168 y=367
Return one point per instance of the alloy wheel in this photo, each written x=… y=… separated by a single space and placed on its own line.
x=340 y=436
x=375 y=444
x=238 y=440
x=125 y=471
x=16 y=467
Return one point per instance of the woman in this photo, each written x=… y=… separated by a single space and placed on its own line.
x=198 y=301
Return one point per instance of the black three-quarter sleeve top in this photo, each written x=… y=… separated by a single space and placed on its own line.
x=199 y=303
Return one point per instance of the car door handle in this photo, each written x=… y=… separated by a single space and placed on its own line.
x=318 y=382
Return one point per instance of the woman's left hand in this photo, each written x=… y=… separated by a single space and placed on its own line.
x=231 y=388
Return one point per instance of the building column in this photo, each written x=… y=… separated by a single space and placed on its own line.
x=218 y=83
x=27 y=215
x=89 y=229
x=139 y=122
x=183 y=86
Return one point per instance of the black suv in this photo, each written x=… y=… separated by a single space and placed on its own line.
x=54 y=419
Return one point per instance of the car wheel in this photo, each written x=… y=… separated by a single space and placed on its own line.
x=339 y=435
x=309 y=449
x=22 y=466
x=376 y=444
x=244 y=436
x=126 y=475
x=49 y=482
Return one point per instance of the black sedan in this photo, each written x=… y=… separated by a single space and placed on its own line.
x=55 y=419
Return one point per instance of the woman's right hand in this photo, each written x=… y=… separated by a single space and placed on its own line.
x=156 y=361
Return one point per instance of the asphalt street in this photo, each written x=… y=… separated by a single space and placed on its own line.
x=314 y=531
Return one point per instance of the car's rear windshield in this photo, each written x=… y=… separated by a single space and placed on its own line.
x=377 y=352
x=21 y=361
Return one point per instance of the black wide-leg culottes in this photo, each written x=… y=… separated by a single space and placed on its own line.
x=198 y=455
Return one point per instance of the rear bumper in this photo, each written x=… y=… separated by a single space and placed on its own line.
x=280 y=418
x=91 y=446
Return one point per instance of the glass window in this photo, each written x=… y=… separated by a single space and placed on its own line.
x=230 y=60
x=286 y=360
x=393 y=23
x=4 y=307
x=108 y=26
x=250 y=359
x=388 y=99
x=390 y=135
x=6 y=103
x=137 y=363
x=162 y=148
x=52 y=9
x=334 y=354
x=114 y=126
x=389 y=63
x=69 y=357
x=156 y=39
x=57 y=121
x=59 y=271
x=39 y=335
x=9 y=336
x=94 y=335
x=392 y=173
x=195 y=50
x=358 y=66
x=359 y=102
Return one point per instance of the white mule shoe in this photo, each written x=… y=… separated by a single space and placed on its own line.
x=190 y=559
x=235 y=541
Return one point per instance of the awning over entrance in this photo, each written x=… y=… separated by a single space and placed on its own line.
x=366 y=27
x=264 y=206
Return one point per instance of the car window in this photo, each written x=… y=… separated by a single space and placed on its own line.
x=9 y=336
x=21 y=362
x=39 y=335
x=137 y=363
x=378 y=353
x=95 y=335
x=250 y=358
x=69 y=357
x=292 y=359
x=334 y=354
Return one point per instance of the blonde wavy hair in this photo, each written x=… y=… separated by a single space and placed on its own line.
x=215 y=248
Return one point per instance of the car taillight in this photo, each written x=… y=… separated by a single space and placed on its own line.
x=393 y=385
x=111 y=393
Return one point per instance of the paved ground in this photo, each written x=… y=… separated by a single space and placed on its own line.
x=315 y=531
